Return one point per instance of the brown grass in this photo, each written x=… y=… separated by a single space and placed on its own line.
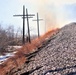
x=16 y=61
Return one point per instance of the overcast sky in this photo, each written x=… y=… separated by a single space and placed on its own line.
x=56 y=13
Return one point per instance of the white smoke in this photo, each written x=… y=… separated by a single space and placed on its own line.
x=50 y=10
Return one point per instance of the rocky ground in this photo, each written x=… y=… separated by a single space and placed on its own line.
x=56 y=57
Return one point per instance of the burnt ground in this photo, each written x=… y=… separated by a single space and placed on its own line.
x=56 y=57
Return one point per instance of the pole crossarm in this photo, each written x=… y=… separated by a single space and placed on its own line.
x=38 y=20
x=24 y=15
x=28 y=17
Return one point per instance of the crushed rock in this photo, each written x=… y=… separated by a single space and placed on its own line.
x=58 y=57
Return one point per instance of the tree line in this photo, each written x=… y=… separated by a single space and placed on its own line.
x=9 y=36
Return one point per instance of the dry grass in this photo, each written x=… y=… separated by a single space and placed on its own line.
x=19 y=58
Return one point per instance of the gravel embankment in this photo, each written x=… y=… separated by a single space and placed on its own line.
x=58 y=56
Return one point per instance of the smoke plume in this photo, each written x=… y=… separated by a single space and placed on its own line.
x=48 y=13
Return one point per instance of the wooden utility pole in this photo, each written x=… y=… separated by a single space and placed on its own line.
x=23 y=24
x=25 y=16
x=38 y=24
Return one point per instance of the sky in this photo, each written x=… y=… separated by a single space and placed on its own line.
x=55 y=13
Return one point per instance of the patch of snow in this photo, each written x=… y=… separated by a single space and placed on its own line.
x=5 y=57
x=16 y=47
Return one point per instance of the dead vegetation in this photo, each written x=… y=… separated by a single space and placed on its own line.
x=17 y=62
x=58 y=55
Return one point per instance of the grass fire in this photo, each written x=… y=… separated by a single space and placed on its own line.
x=23 y=54
x=38 y=37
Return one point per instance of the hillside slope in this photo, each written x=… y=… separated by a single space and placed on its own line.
x=58 y=57
x=16 y=63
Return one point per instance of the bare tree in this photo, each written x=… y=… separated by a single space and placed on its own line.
x=3 y=39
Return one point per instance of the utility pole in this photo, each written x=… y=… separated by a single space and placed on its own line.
x=38 y=24
x=23 y=24
x=25 y=16
x=45 y=25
